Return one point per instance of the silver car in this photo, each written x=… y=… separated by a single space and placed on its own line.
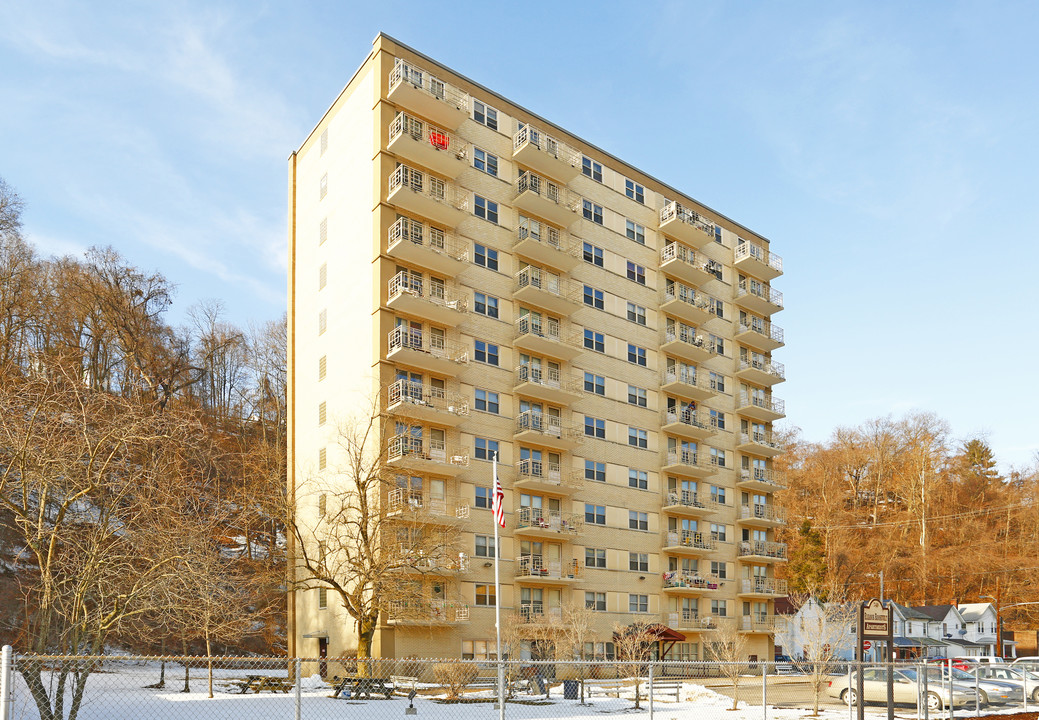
x=1017 y=676
x=990 y=691
x=906 y=688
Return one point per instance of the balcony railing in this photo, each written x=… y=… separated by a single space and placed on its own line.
x=698 y=261
x=745 y=250
x=550 y=282
x=690 y=376
x=762 y=327
x=552 y=237
x=407 y=283
x=421 y=131
x=689 y=539
x=675 y=579
x=422 y=395
x=433 y=611
x=551 y=520
x=675 y=211
x=686 y=294
x=690 y=619
x=405 y=338
x=761 y=623
x=536 y=566
x=417 y=233
x=421 y=448
x=690 y=499
x=763 y=511
x=549 y=473
x=422 y=560
x=401 y=500
x=769 y=367
x=761 y=291
x=547 y=144
x=688 y=335
x=760 y=438
x=762 y=402
x=540 y=422
x=547 y=377
x=762 y=548
x=404 y=71
x=545 y=188
x=690 y=459
x=692 y=418
x=428 y=186
x=534 y=612
x=543 y=327
x=766 y=476
x=764 y=586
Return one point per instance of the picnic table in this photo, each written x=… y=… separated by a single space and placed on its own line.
x=259 y=683
x=361 y=687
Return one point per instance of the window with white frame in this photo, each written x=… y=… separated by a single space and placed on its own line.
x=485 y=114
x=485 y=161
x=591 y=169
x=635 y=191
x=635 y=232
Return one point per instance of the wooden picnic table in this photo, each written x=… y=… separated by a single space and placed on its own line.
x=259 y=683
x=361 y=687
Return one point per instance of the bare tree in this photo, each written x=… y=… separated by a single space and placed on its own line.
x=727 y=646
x=822 y=628
x=634 y=647
x=576 y=629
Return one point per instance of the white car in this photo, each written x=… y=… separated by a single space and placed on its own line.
x=1016 y=675
x=906 y=688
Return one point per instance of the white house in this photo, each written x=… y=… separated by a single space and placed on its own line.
x=981 y=621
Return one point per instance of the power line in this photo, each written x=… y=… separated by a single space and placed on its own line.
x=915 y=521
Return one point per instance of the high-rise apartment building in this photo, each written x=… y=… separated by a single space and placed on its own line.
x=501 y=285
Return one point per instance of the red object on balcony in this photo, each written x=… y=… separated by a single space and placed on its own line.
x=439 y=140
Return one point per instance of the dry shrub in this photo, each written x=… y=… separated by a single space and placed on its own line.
x=455 y=676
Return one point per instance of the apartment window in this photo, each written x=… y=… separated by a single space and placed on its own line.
x=484 y=546
x=719 y=608
x=322 y=459
x=594 y=471
x=482 y=499
x=322 y=413
x=635 y=232
x=716 y=307
x=638 y=520
x=717 y=419
x=594 y=383
x=322 y=598
x=637 y=273
x=718 y=457
x=638 y=479
x=719 y=570
x=717 y=381
x=718 y=532
x=591 y=168
x=322 y=276
x=594 y=341
x=718 y=494
x=485 y=352
x=595 y=601
x=593 y=297
x=595 y=514
x=484 y=596
x=485 y=115
x=479 y=649
x=483 y=160
x=717 y=234
x=323 y=187
x=592 y=211
x=485 y=449
x=487 y=401
x=592 y=254
x=595 y=557
x=638 y=561
x=637 y=355
x=322 y=232
x=322 y=367
x=594 y=427
x=636 y=313
x=322 y=322
x=486 y=209
x=485 y=304
x=485 y=256
x=324 y=140
x=718 y=343
x=322 y=505
x=638 y=603
x=635 y=191
x=636 y=396
x=638 y=437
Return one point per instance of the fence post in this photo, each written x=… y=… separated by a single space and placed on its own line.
x=651 y=691
x=6 y=676
x=764 y=690
x=922 y=673
x=851 y=706
x=299 y=689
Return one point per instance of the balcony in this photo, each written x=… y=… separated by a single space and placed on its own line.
x=544 y=154
x=546 y=290
x=687 y=304
x=680 y=583
x=427 y=145
x=759 y=334
x=426 y=246
x=757 y=261
x=544 y=198
x=689 y=619
x=683 y=263
x=763 y=587
x=759 y=443
x=534 y=613
x=763 y=624
x=418 y=192
x=688 y=542
x=758 y=297
x=549 y=384
x=536 y=569
x=425 y=403
x=689 y=504
x=687 y=462
x=688 y=384
x=763 y=479
x=537 y=522
x=539 y=428
x=551 y=478
x=411 y=561
x=413 y=295
x=546 y=244
x=426 y=613
x=425 y=350
x=762 y=551
x=411 y=506
x=686 y=225
x=760 y=407
x=406 y=452
x=684 y=343
x=762 y=515
x=761 y=372
x=545 y=336
x=413 y=88
x=688 y=423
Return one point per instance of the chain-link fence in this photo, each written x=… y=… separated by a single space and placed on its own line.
x=227 y=688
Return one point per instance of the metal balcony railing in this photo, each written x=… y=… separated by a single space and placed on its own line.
x=407 y=230
x=746 y=249
x=690 y=499
x=546 y=144
x=765 y=328
x=692 y=418
x=762 y=548
x=421 y=131
x=691 y=459
x=698 y=300
x=429 y=186
x=427 y=611
x=689 y=539
x=407 y=283
x=534 y=612
x=548 y=377
x=763 y=511
x=550 y=282
x=766 y=476
x=775 y=369
x=764 y=402
x=423 y=560
x=760 y=438
x=758 y=623
x=688 y=335
x=760 y=290
x=677 y=251
x=421 y=448
x=540 y=422
x=530 y=229
x=674 y=210
x=543 y=327
x=763 y=585
x=552 y=520
x=404 y=71
x=676 y=579
x=436 y=345
x=537 y=566
x=400 y=500
x=690 y=376
x=550 y=473
x=551 y=191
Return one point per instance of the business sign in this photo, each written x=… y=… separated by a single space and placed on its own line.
x=876 y=620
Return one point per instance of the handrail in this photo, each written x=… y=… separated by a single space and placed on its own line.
x=546 y=144
x=404 y=71
x=421 y=131
x=745 y=249
x=407 y=229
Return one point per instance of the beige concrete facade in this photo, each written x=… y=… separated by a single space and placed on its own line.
x=626 y=375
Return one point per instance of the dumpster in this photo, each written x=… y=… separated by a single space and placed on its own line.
x=571 y=690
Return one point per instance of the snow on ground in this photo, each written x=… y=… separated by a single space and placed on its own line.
x=118 y=693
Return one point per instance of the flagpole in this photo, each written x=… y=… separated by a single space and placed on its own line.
x=497 y=591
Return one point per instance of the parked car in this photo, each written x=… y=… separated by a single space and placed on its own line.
x=981 y=659
x=990 y=691
x=1018 y=676
x=906 y=688
x=957 y=663
x=1030 y=663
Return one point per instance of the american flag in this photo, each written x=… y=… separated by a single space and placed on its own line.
x=498 y=501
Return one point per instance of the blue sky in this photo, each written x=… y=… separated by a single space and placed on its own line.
x=887 y=149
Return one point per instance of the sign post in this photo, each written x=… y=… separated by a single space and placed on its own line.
x=875 y=624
